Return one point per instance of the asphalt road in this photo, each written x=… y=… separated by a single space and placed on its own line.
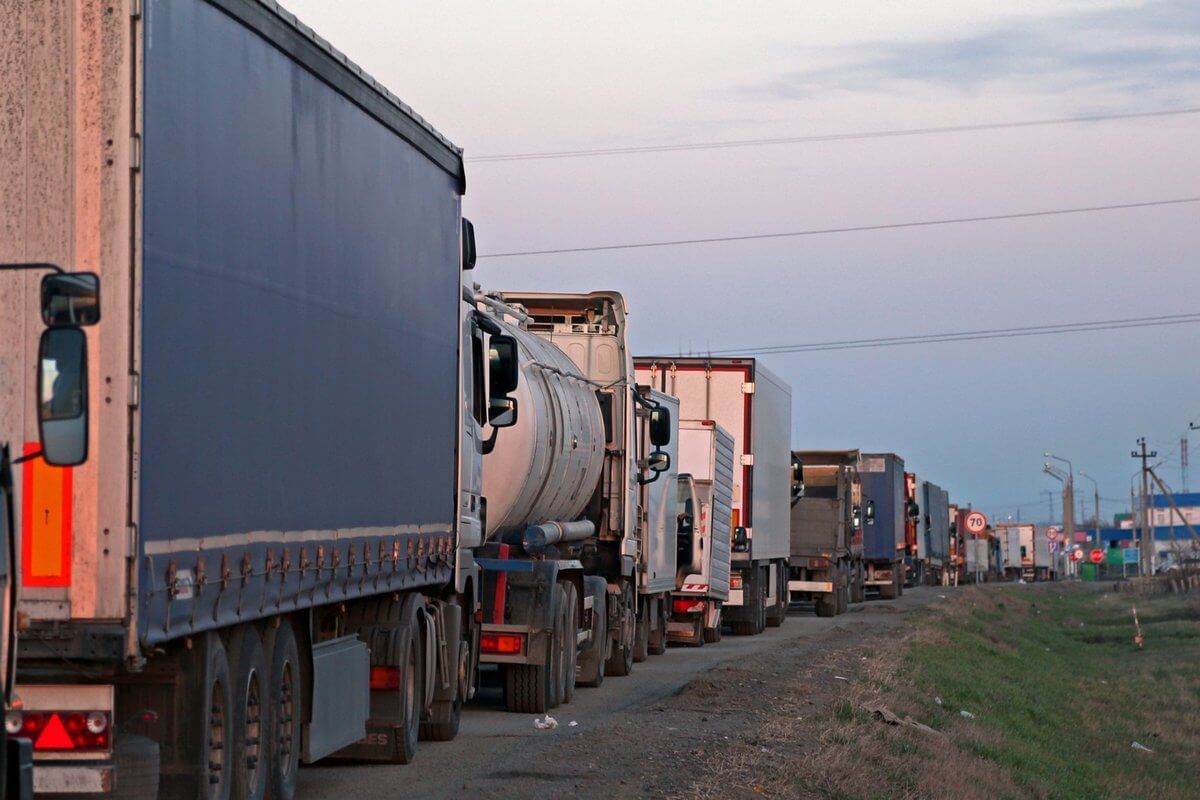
x=492 y=744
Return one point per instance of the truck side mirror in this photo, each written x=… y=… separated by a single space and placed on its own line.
x=469 y=254
x=659 y=461
x=870 y=512
x=797 y=479
x=741 y=541
x=503 y=367
x=502 y=412
x=71 y=299
x=63 y=396
x=660 y=427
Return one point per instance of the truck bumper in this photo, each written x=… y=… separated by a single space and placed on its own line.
x=58 y=778
x=818 y=587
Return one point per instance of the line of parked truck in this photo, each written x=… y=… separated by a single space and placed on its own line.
x=303 y=481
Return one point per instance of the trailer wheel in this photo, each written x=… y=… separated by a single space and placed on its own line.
x=216 y=736
x=248 y=758
x=591 y=667
x=843 y=591
x=570 y=639
x=286 y=713
x=620 y=663
x=826 y=605
x=533 y=688
x=412 y=691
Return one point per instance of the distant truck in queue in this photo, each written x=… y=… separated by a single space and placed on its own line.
x=704 y=532
x=934 y=531
x=882 y=477
x=826 y=560
x=755 y=407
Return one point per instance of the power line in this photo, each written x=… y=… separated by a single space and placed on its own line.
x=965 y=336
x=830 y=137
x=850 y=229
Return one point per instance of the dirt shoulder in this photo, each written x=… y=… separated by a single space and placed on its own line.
x=721 y=734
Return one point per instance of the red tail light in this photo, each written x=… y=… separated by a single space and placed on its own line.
x=735 y=581
x=817 y=563
x=686 y=606
x=62 y=731
x=385 y=678
x=502 y=644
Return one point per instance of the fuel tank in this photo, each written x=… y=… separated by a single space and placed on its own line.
x=546 y=467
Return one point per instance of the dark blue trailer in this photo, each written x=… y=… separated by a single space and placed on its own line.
x=265 y=542
x=882 y=477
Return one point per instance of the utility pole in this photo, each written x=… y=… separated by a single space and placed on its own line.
x=1147 y=540
x=1183 y=461
x=1049 y=503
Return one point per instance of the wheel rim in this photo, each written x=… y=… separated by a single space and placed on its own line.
x=284 y=721
x=216 y=740
x=252 y=730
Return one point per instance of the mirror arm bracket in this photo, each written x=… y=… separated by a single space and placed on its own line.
x=27 y=457
x=39 y=265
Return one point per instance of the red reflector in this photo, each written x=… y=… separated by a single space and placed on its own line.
x=54 y=736
x=735 y=581
x=385 y=678
x=502 y=644
x=817 y=562
x=688 y=606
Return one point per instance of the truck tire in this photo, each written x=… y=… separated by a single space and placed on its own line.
x=641 y=642
x=136 y=762
x=251 y=722
x=570 y=626
x=620 y=663
x=558 y=640
x=658 y=638
x=213 y=697
x=858 y=591
x=773 y=616
x=713 y=635
x=826 y=604
x=529 y=688
x=591 y=666
x=445 y=713
x=286 y=711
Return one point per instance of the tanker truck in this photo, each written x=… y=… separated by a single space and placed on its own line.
x=755 y=406
x=704 y=532
x=268 y=556
x=573 y=570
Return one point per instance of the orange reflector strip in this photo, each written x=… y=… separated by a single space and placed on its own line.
x=385 y=678
x=501 y=644
x=54 y=735
x=45 y=522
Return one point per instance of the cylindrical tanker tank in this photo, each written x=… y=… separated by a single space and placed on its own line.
x=545 y=468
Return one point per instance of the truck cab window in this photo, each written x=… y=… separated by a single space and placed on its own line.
x=478 y=398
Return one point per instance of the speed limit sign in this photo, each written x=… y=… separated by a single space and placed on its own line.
x=1077 y=555
x=976 y=523
x=1053 y=533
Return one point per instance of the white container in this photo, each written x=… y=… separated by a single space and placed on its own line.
x=706 y=454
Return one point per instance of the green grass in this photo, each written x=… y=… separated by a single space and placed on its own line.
x=1060 y=690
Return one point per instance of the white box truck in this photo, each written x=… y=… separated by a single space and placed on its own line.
x=755 y=406
x=705 y=527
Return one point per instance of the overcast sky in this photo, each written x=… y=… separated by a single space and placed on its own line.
x=974 y=417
